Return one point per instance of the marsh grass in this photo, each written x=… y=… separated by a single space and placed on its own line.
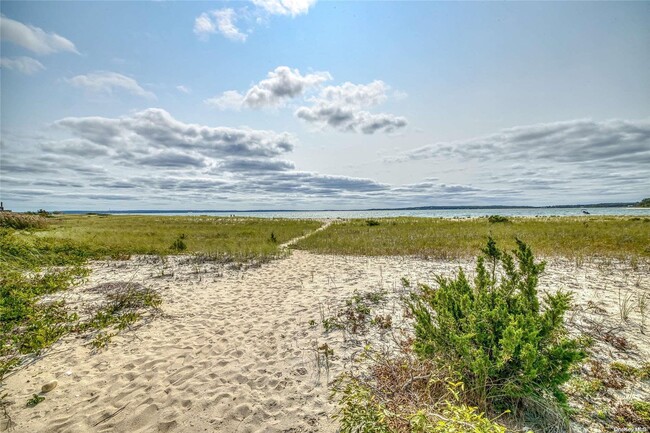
x=237 y=238
x=22 y=221
x=571 y=237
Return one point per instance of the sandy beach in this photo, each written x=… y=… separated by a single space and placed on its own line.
x=236 y=349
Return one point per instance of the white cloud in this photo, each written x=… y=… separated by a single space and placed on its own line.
x=155 y=128
x=281 y=84
x=183 y=89
x=25 y=65
x=222 y=21
x=229 y=100
x=33 y=38
x=340 y=107
x=107 y=82
x=285 y=7
x=203 y=25
x=225 y=21
x=611 y=141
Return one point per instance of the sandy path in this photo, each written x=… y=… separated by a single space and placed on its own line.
x=235 y=352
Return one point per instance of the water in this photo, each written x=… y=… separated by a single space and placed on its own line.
x=431 y=213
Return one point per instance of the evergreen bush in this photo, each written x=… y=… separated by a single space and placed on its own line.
x=495 y=334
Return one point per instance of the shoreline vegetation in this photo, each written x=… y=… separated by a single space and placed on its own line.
x=497 y=314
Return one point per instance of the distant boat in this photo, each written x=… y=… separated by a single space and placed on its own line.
x=585 y=212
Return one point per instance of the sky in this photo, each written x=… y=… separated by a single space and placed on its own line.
x=299 y=104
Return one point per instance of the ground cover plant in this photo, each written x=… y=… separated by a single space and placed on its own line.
x=572 y=237
x=478 y=351
x=122 y=235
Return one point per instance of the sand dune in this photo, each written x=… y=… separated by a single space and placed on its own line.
x=235 y=351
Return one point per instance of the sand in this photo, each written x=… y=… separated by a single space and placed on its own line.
x=236 y=349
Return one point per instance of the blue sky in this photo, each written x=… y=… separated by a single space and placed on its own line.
x=304 y=104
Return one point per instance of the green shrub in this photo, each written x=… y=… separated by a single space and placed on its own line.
x=371 y=223
x=495 y=335
x=179 y=244
x=498 y=219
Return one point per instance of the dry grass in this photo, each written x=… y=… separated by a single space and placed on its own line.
x=20 y=221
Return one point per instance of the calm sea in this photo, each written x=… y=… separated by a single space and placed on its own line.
x=437 y=213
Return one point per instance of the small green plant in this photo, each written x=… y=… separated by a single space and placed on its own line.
x=372 y=223
x=34 y=400
x=179 y=244
x=642 y=410
x=625 y=370
x=101 y=340
x=273 y=239
x=495 y=335
x=498 y=219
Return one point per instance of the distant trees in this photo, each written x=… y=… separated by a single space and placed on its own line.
x=644 y=203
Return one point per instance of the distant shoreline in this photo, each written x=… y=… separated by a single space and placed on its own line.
x=420 y=208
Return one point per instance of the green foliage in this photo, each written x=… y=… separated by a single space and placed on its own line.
x=356 y=315
x=179 y=244
x=372 y=223
x=642 y=410
x=495 y=334
x=644 y=203
x=455 y=418
x=361 y=411
x=34 y=400
x=498 y=219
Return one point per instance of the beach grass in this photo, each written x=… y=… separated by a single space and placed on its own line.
x=120 y=235
x=572 y=237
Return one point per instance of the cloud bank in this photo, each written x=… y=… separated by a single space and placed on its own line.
x=568 y=141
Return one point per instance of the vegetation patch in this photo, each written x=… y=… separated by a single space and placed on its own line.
x=479 y=351
x=240 y=239
x=20 y=221
x=444 y=238
x=356 y=315
x=498 y=219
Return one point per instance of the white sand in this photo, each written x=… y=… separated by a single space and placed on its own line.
x=235 y=351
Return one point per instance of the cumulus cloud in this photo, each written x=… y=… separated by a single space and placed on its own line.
x=156 y=128
x=341 y=108
x=108 y=82
x=563 y=142
x=33 y=38
x=24 y=65
x=222 y=21
x=281 y=84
